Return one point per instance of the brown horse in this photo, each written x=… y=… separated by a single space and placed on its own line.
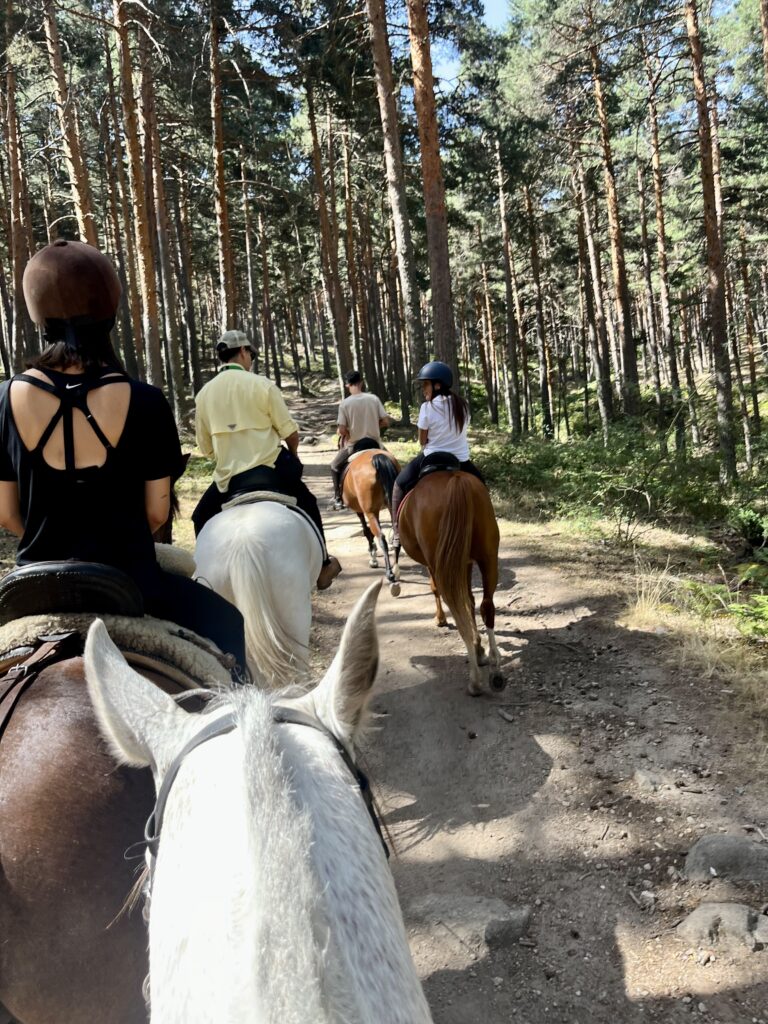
x=367 y=489
x=67 y=817
x=447 y=523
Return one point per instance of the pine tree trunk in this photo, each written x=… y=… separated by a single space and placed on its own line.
x=330 y=252
x=227 y=296
x=73 y=157
x=650 y=317
x=267 y=323
x=248 y=229
x=764 y=34
x=604 y=377
x=393 y=160
x=22 y=337
x=432 y=181
x=359 y=318
x=513 y=391
x=749 y=324
x=184 y=247
x=167 y=275
x=541 y=341
x=132 y=296
x=147 y=283
x=587 y=291
x=630 y=383
x=715 y=262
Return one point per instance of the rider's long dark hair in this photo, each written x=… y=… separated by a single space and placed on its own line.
x=69 y=343
x=458 y=407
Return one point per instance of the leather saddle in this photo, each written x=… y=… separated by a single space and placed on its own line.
x=439 y=461
x=69 y=586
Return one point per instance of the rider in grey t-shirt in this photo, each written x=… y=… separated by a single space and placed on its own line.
x=360 y=415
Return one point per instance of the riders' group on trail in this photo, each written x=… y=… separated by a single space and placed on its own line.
x=88 y=461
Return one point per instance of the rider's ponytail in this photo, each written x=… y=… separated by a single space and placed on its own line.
x=458 y=407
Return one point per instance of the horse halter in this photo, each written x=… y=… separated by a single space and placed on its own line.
x=225 y=724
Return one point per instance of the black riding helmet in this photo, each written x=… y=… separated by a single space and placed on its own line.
x=438 y=372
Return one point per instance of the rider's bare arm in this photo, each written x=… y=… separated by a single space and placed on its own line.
x=292 y=441
x=157 y=501
x=423 y=437
x=343 y=433
x=10 y=515
x=384 y=422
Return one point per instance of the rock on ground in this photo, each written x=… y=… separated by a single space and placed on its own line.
x=726 y=856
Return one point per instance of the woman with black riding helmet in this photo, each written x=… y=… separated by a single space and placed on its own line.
x=443 y=423
x=87 y=454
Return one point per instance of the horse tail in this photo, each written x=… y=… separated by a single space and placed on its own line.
x=273 y=654
x=386 y=474
x=452 y=553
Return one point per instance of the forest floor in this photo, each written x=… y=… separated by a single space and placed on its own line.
x=576 y=792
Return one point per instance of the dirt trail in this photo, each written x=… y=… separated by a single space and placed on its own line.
x=576 y=791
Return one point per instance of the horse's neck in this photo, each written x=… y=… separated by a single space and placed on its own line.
x=234 y=904
x=369 y=960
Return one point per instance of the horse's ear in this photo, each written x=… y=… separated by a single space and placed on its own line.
x=341 y=697
x=134 y=716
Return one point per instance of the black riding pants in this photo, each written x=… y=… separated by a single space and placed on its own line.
x=285 y=478
x=194 y=606
x=339 y=461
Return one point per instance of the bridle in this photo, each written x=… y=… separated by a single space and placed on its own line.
x=224 y=724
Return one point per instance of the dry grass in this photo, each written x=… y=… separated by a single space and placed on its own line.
x=710 y=646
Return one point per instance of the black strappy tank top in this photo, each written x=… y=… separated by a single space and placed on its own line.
x=92 y=513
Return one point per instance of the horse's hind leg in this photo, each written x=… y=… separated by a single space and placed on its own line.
x=372 y=559
x=391 y=572
x=490 y=574
x=478 y=644
x=440 y=619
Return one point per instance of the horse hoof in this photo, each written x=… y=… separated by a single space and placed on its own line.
x=394 y=589
x=497 y=682
x=441 y=625
x=474 y=691
x=373 y=563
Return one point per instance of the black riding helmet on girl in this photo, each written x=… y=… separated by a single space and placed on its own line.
x=437 y=372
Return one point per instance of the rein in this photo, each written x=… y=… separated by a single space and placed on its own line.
x=226 y=724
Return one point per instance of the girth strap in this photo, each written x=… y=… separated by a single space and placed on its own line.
x=17 y=680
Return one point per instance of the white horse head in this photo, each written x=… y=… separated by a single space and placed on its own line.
x=272 y=901
x=265 y=559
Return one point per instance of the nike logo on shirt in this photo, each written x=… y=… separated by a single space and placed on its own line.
x=68 y=386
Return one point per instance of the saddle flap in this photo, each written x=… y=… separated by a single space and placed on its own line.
x=70 y=586
x=438 y=461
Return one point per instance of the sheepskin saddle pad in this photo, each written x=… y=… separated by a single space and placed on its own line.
x=153 y=645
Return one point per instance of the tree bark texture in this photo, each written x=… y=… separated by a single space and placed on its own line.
x=715 y=263
x=432 y=182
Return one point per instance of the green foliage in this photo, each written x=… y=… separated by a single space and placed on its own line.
x=751 y=523
x=628 y=482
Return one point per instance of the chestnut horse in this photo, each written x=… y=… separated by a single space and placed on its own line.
x=367 y=489
x=447 y=523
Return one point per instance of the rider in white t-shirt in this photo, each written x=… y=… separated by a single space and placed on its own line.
x=443 y=424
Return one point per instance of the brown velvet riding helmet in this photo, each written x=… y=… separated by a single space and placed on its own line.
x=68 y=280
